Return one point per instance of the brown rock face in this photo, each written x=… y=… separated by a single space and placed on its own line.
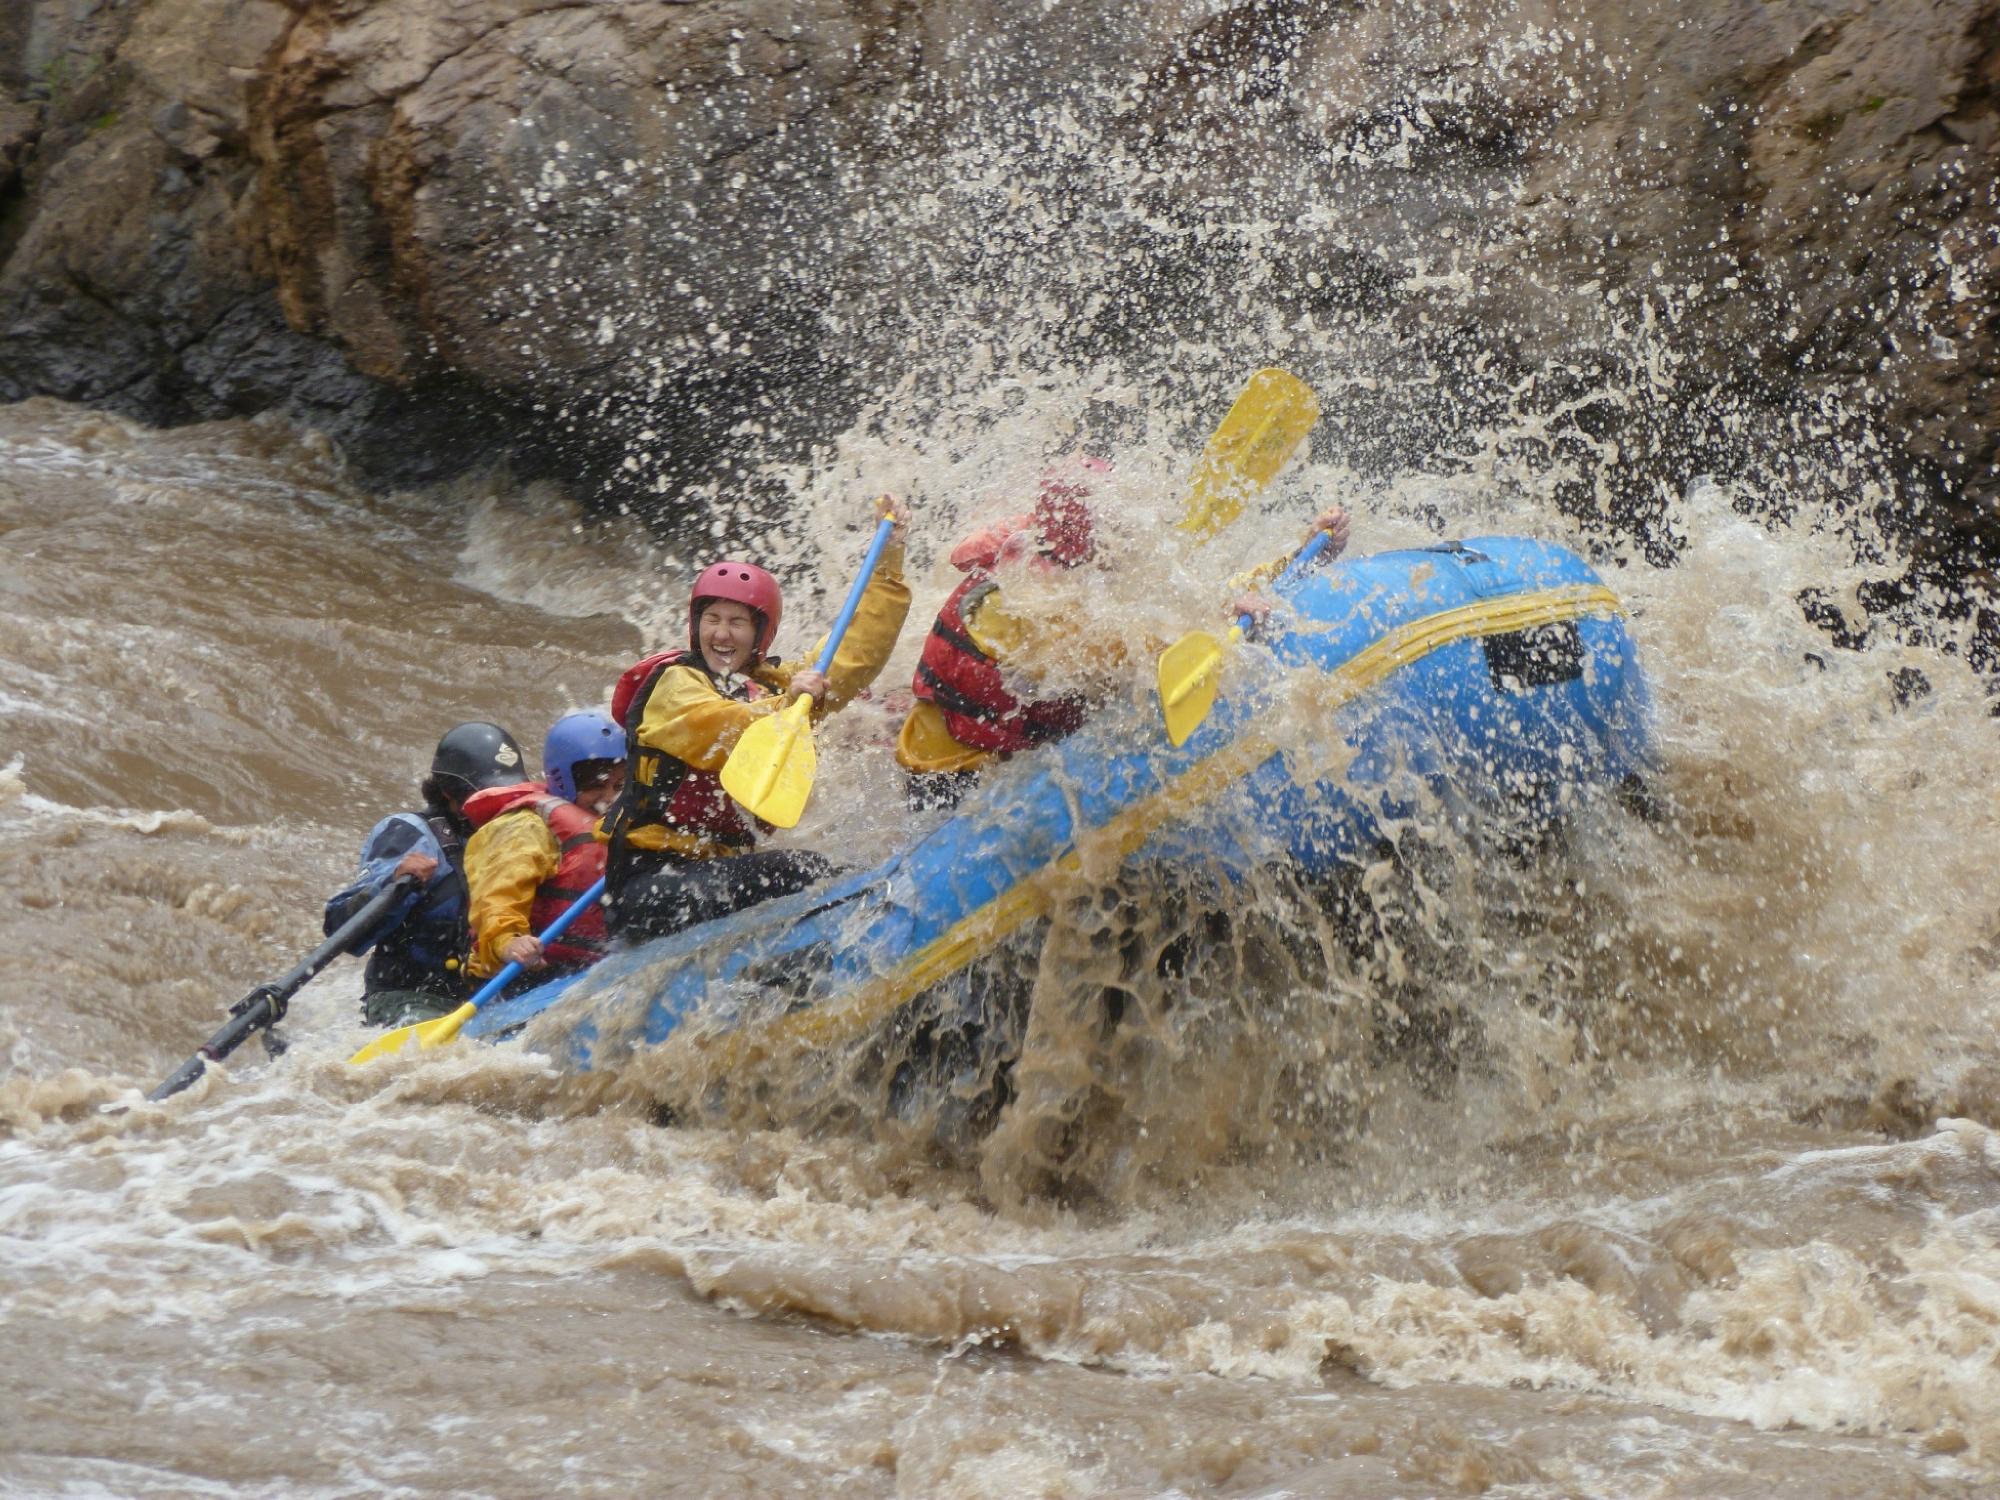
x=637 y=236
x=128 y=278
x=596 y=210
x=1819 y=180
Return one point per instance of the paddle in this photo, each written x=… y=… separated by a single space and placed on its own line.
x=1262 y=428
x=770 y=772
x=1188 y=667
x=265 y=1005
x=441 y=1029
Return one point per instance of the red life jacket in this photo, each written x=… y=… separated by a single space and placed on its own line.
x=966 y=685
x=580 y=864
x=661 y=788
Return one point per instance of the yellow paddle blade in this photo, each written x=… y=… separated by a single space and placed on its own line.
x=427 y=1034
x=772 y=767
x=1263 y=427
x=1187 y=682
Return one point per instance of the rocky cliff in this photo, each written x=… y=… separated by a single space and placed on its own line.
x=627 y=238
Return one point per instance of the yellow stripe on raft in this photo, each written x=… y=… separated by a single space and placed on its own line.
x=981 y=930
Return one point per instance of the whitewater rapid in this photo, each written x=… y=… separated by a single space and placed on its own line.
x=1708 y=1201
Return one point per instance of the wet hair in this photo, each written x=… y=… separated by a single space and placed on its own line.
x=437 y=792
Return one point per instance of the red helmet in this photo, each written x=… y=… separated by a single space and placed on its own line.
x=1062 y=510
x=741 y=583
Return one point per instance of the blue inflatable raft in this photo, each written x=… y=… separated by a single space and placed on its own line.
x=1495 y=670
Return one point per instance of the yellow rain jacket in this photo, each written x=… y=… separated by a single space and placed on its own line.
x=505 y=864
x=529 y=857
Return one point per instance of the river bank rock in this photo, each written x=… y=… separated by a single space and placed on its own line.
x=631 y=242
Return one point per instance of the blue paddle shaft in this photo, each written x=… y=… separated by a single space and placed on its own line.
x=846 y=615
x=548 y=934
x=1293 y=568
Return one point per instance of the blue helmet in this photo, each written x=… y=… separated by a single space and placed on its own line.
x=573 y=739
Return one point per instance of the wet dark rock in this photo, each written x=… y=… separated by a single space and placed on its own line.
x=631 y=242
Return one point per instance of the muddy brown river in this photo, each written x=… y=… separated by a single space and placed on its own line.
x=1699 y=1197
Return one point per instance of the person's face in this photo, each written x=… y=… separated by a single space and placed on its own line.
x=727 y=634
x=597 y=794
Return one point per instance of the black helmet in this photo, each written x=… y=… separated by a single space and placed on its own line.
x=473 y=756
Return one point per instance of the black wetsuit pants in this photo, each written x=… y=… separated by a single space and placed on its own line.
x=648 y=894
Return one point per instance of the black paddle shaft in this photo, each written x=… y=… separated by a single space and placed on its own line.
x=265 y=1005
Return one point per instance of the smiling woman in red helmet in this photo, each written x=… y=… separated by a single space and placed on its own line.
x=681 y=851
